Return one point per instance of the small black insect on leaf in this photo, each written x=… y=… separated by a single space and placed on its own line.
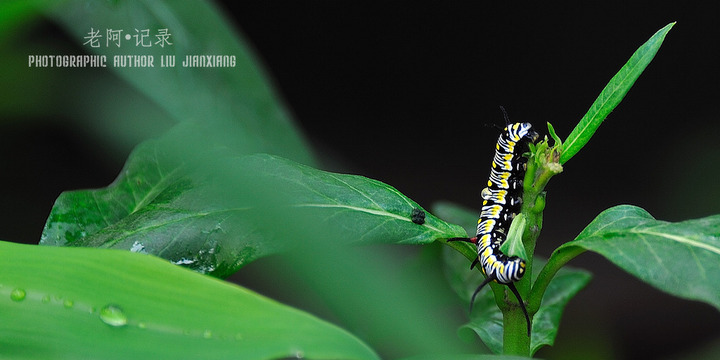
x=418 y=216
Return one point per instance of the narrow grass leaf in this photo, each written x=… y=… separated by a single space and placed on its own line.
x=81 y=303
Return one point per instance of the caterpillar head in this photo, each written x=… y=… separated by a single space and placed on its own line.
x=522 y=131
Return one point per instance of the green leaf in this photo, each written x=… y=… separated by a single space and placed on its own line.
x=553 y=135
x=374 y=291
x=104 y=304
x=14 y=12
x=679 y=258
x=213 y=211
x=457 y=214
x=466 y=357
x=464 y=281
x=239 y=95
x=486 y=319
x=612 y=94
x=513 y=245
x=546 y=322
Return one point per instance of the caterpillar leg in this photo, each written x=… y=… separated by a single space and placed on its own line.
x=522 y=305
x=485 y=282
x=473 y=240
x=514 y=291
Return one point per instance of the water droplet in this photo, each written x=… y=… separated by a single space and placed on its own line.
x=142 y=325
x=207 y=334
x=17 y=294
x=68 y=304
x=138 y=247
x=46 y=299
x=113 y=316
x=184 y=261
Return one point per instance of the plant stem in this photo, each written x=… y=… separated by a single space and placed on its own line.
x=540 y=169
x=515 y=339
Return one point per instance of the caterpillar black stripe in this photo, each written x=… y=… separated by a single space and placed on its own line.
x=502 y=199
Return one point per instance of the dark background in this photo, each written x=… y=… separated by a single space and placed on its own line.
x=404 y=93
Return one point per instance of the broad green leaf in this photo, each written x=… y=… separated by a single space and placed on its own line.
x=486 y=319
x=80 y=303
x=612 y=94
x=238 y=94
x=679 y=258
x=457 y=214
x=213 y=211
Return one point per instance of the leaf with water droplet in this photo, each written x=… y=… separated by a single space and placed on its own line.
x=214 y=211
x=113 y=315
x=17 y=294
x=149 y=309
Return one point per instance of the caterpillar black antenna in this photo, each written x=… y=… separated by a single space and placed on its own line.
x=505 y=115
x=493 y=125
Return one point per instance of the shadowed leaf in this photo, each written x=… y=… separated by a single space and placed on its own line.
x=213 y=211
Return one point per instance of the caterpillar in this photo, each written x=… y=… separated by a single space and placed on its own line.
x=502 y=199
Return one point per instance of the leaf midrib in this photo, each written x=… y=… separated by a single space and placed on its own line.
x=154 y=190
x=365 y=210
x=681 y=239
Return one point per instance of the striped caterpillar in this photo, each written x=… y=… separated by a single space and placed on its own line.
x=502 y=199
